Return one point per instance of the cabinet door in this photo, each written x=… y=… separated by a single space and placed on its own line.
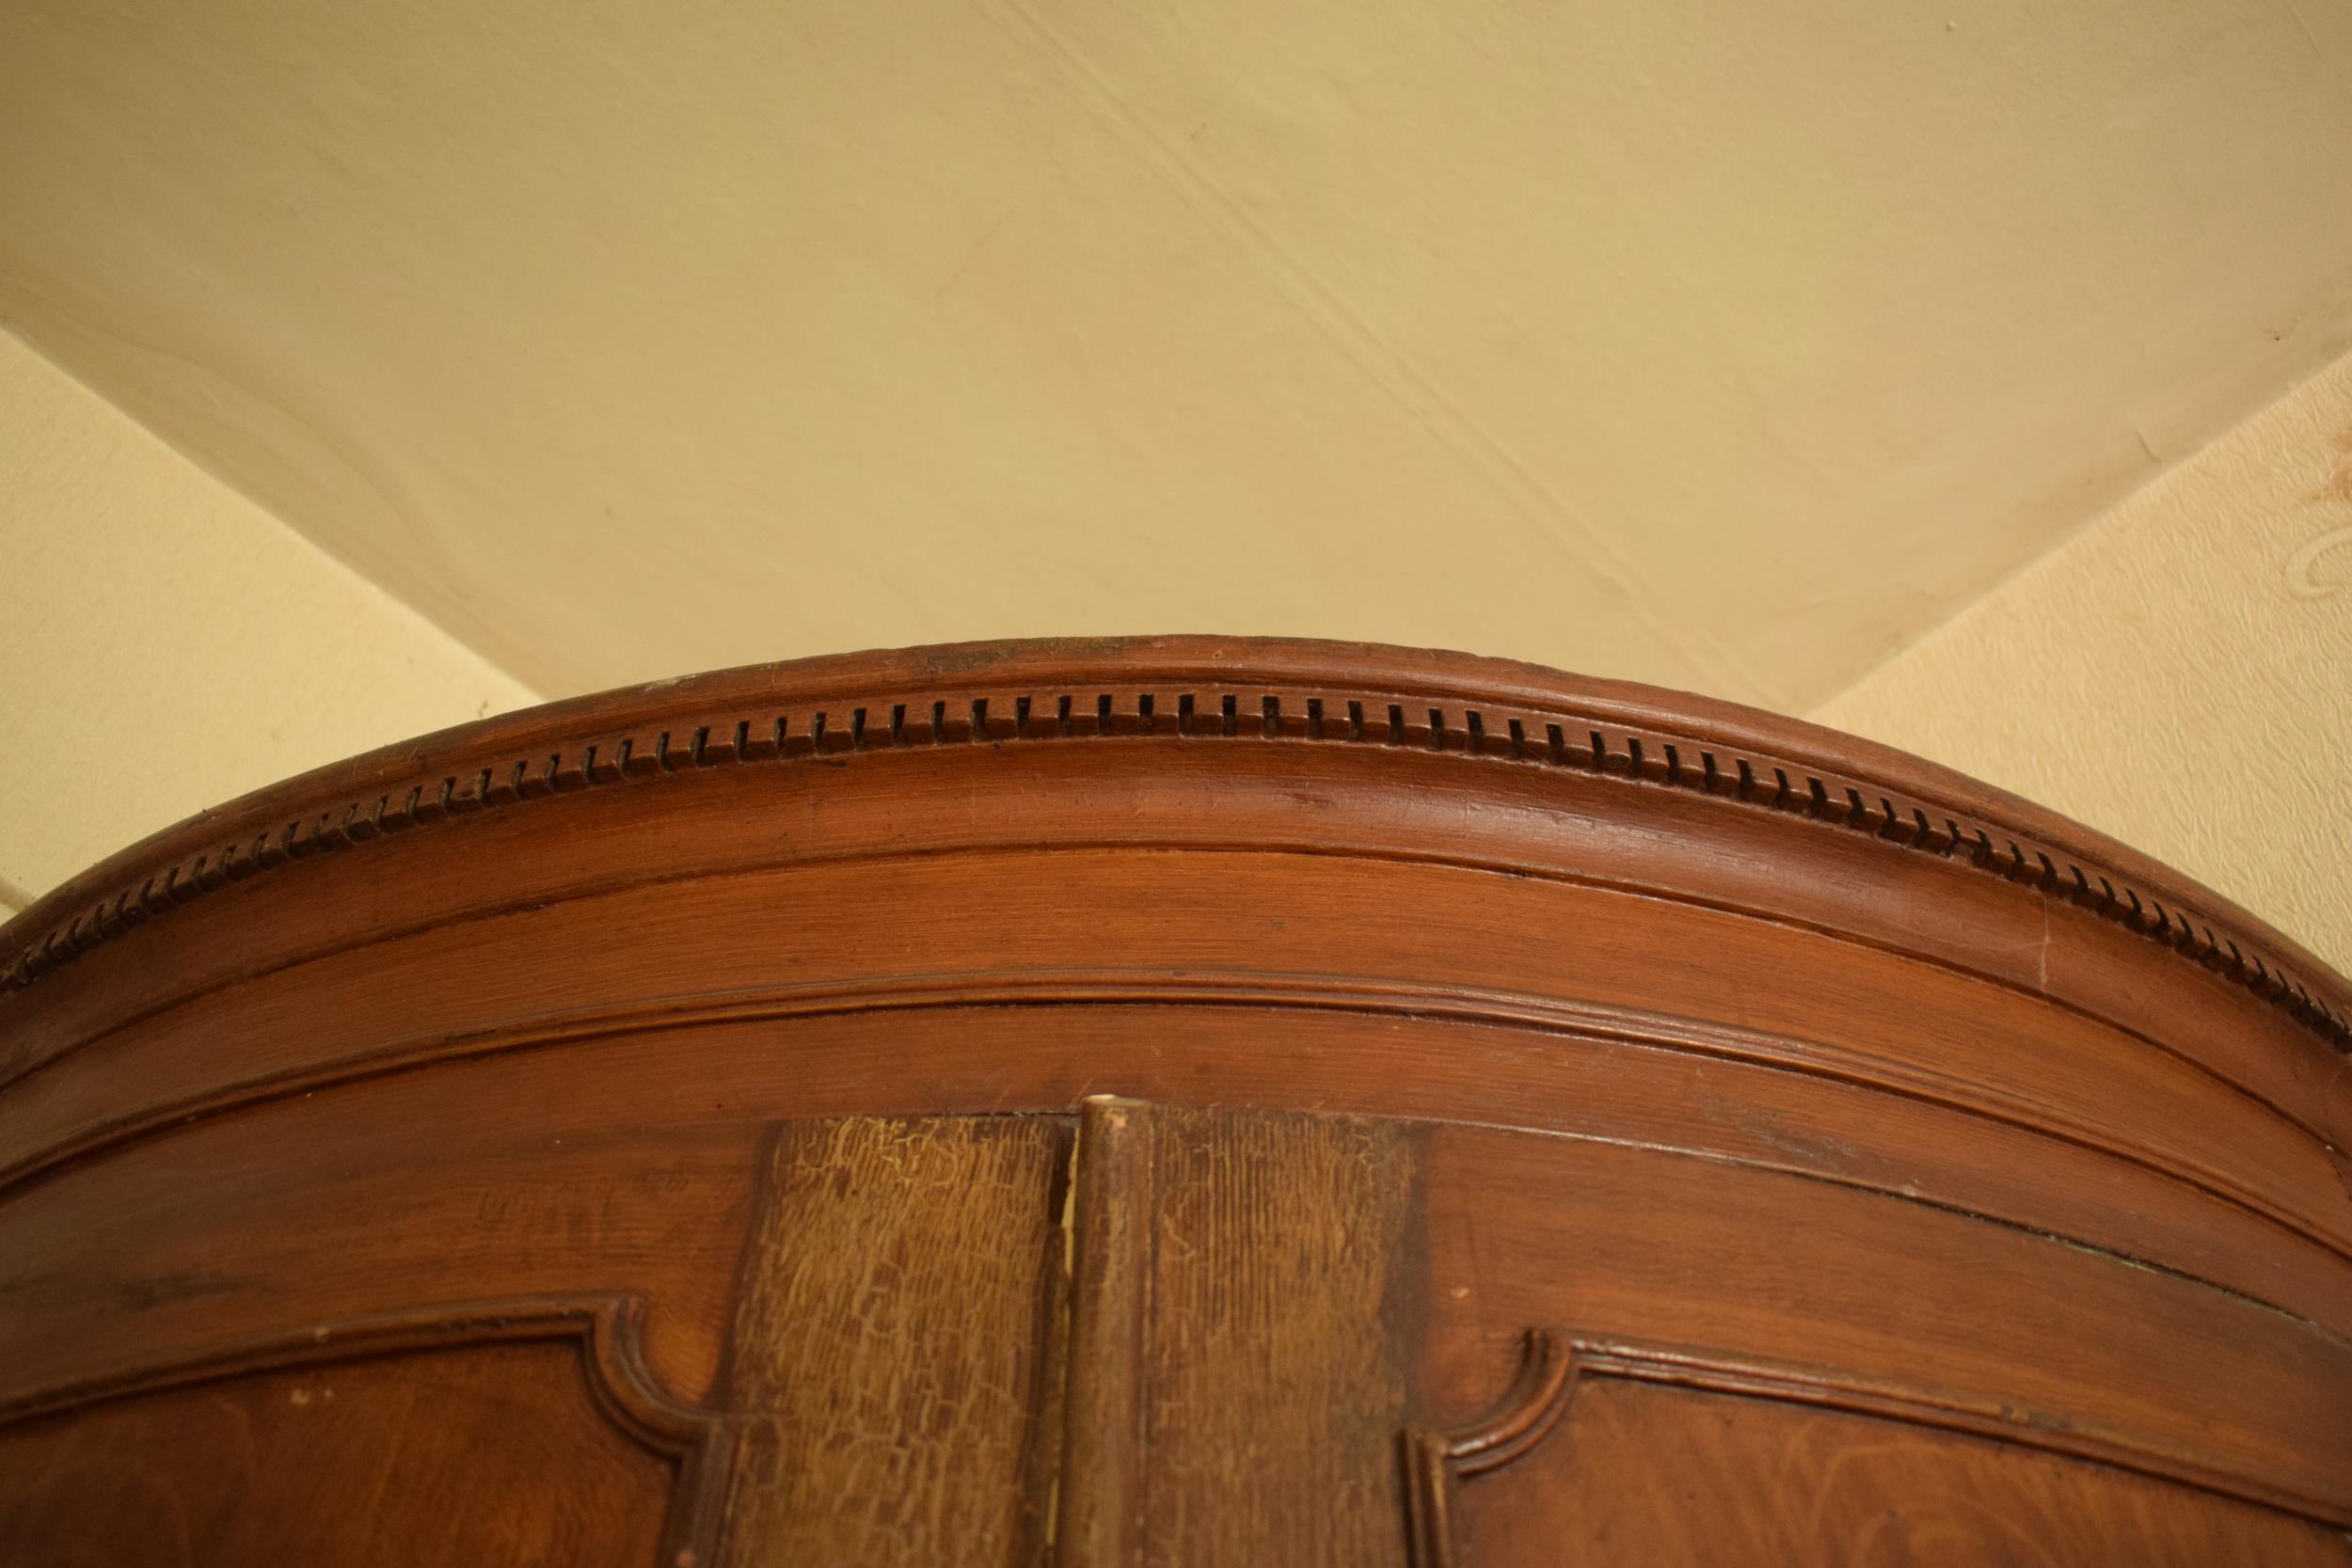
x=1158 y=1336
x=1327 y=1339
x=1142 y=1335
x=1646 y=1473
x=529 y=1435
x=895 y=1366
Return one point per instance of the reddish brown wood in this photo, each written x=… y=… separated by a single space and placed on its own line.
x=1839 y=1120
x=524 y=1433
x=1755 y=1483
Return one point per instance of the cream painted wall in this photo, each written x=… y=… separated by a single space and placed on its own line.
x=2179 y=674
x=1719 y=345
x=166 y=644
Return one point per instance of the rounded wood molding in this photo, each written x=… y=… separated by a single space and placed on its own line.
x=1184 y=690
x=1142 y=1098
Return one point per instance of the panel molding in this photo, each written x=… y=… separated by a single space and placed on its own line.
x=1435 y=1462
x=607 y=1330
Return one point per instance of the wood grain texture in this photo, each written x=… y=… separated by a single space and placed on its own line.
x=1463 y=999
x=1239 y=1367
x=1296 y=929
x=424 y=1191
x=1437 y=1460
x=456 y=1457
x=895 y=1352
x=1783 y=1288
x=1113 y=1210
x=1668 y=1477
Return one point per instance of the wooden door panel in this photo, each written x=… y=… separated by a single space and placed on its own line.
x=1896 y=1305
x=1239 y=1339
x=411 y=1194
x=518 y=1435
x=895 y=1360
x=1651 y=1476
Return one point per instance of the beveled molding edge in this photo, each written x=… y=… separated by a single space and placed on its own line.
x=1434 y=1461
x=607 y=1330
x=1181 y=690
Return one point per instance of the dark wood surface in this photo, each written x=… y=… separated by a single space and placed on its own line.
x=495 y=1454
x=1165 y=1102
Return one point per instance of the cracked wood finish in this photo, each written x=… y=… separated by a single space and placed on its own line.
x=1906 y=1174
x=896 y=1353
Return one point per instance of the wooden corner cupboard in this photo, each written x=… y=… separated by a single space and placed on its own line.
x=1164 y=1103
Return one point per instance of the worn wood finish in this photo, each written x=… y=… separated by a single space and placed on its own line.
x=1241 y=1369
x=894 y=1360
x=1112 y=1235
x=1894 y=1168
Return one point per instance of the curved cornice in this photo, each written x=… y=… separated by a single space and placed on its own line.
x=1187 y=689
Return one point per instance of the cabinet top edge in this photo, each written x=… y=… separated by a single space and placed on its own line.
x=1142 y=688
